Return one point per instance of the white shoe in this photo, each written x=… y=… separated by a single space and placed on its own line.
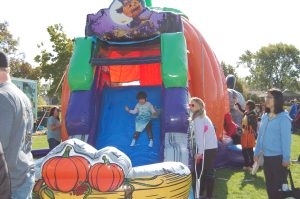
x=151 y=143
x=133 y=142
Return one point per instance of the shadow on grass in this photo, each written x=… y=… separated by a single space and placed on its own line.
x=257 y=181
x=297 y=134
x=222 y=185
x=222 y=177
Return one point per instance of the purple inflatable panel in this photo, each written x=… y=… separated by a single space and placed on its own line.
x=100 y=81
x=117 y=23
x=79 y=115
x=229 y=156
x=222 y=156
x=175 y=110
x=235 y=156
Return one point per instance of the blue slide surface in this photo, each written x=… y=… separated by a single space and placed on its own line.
x=116 y=126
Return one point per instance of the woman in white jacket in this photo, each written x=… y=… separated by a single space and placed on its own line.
x=206 y=144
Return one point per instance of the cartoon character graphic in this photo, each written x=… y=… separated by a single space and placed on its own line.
x=127 y=20
x=131 y=8
x=139 y=23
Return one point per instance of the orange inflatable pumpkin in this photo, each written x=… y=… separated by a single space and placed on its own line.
x=206 y=78
x=65 y=96
x=106 y=177
x=65 y=173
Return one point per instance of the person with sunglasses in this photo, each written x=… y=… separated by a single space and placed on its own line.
x=274 y=143
x=206 y=144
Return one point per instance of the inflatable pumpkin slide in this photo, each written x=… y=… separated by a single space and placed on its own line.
x=127 y=48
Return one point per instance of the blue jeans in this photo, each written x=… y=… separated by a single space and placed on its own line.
x=25 y=190
x=53 y=143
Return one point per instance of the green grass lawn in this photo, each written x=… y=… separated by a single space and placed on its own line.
x=39 y=142
x=235 y=184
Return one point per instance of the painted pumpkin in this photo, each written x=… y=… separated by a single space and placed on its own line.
x=65 y=173
x=106 y=177
x=132 y=8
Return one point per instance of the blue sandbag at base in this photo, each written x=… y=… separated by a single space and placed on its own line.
x=221 y=159
x=116 y=126
x=229 y=156
x=235 y=156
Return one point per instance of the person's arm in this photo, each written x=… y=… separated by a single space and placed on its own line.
x=199 y=130
x=134 y=111
x=7 y=119
x=258 y=142
x=152 y=108
x=7 y=112
x=52 y=124
x=55 y=127
x=239 y=108
x=4 y=177
x=252 y=122
x=286 y=139
x=153 y=111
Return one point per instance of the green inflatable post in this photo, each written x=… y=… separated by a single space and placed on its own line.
x=174 y=64
x=148 y=3
x=81 y=73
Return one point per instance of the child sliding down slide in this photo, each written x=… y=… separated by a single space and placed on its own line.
x=145 y=111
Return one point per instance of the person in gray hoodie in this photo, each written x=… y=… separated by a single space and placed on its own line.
x=4 y=177
x=274 y=143
x=16 y=126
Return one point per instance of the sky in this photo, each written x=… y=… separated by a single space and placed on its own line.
x=230 y=26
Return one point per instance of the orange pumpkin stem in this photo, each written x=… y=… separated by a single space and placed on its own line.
x=67 y=152
x=106 y=161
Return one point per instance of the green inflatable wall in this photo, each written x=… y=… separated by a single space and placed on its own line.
x=174 y=64
x=81 y=74
x=148 y=3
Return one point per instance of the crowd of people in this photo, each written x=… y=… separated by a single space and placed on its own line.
x=268 y=128
x=265 y=128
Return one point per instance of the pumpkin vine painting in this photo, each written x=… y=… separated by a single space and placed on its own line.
x=77 y=170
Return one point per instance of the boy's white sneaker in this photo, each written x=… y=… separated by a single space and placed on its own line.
x=133 y=142
x=151 y=143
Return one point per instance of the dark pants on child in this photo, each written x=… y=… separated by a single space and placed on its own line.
x=149 y=132
x=236 y=139
x=53 y=143
x=275 y=175
x=207 y=179
x=248 y=156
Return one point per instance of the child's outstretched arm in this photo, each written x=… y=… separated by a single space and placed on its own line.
x=134 y=111
x=153 y=111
